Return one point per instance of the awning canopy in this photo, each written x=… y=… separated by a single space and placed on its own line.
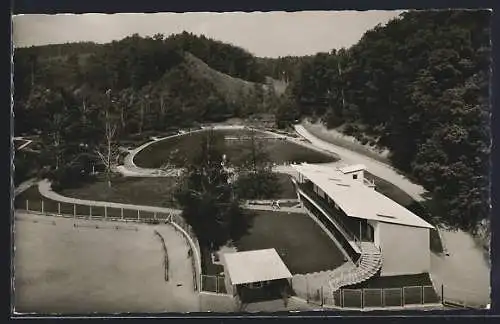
x=255 y=266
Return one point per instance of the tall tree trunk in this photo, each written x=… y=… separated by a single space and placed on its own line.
x=162 y=113
x=254 y=160
x=32 y=74
x=341 y=85
x=122 y=116
x=57 y=143
x=108 y=173
x=141 y=122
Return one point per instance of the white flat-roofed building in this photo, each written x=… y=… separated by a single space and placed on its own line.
x=253 y=270
x=365 y=221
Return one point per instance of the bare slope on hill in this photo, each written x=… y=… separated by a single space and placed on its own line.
x=232 y=88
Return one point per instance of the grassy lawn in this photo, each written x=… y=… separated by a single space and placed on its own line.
x=177 y=149
x=395 y=281
x=148 y=191
x=300 y=242
x=26 y=163
x=128 y=190
x=287 y=188
x=323 y=134
x=32 y=194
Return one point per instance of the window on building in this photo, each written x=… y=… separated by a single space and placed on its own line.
x=354 y=176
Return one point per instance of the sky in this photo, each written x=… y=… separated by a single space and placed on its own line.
x=264 y=34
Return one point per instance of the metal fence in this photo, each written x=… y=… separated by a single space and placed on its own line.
x=213 y=283
x=367 y=297
x=51 y=207
x=93 y=212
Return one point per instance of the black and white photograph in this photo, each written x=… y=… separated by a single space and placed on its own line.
x=249 y=162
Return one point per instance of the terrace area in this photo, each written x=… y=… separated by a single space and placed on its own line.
x=332 y=218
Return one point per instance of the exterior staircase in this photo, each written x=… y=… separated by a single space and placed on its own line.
x=368 y=265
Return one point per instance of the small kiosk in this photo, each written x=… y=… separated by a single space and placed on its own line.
x=256 y=275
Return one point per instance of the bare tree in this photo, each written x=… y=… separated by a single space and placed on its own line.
x=162 y=108
x=108 y=153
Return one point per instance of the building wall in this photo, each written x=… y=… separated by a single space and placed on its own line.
x=360 y=175
x=376 y=232
x=230 y=289
x=405 y=249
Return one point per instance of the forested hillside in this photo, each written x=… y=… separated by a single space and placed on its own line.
x=155 y=82
x=420 y=87
x=80 y=96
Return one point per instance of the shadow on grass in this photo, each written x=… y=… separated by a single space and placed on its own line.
x=303 y=246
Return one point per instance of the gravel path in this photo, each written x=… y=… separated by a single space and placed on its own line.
x=465 y=273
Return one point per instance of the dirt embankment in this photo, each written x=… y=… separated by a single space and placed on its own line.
x=335 y=137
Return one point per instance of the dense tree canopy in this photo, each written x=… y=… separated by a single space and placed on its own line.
x=207 y=197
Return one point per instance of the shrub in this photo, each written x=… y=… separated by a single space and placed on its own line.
x=333 y=120
x=260 y=185
x=351 y=129
x=69 y=177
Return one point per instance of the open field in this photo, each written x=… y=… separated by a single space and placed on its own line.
x=63 y=269
x=300 y=242
x=177 y=149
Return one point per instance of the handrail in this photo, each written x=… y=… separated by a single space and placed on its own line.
x=338 y=281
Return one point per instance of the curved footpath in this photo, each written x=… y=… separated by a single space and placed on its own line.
x=44 y=187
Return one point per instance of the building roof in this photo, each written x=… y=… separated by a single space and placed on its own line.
x=255 y=266
x=353 y=168
x=356 y=199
